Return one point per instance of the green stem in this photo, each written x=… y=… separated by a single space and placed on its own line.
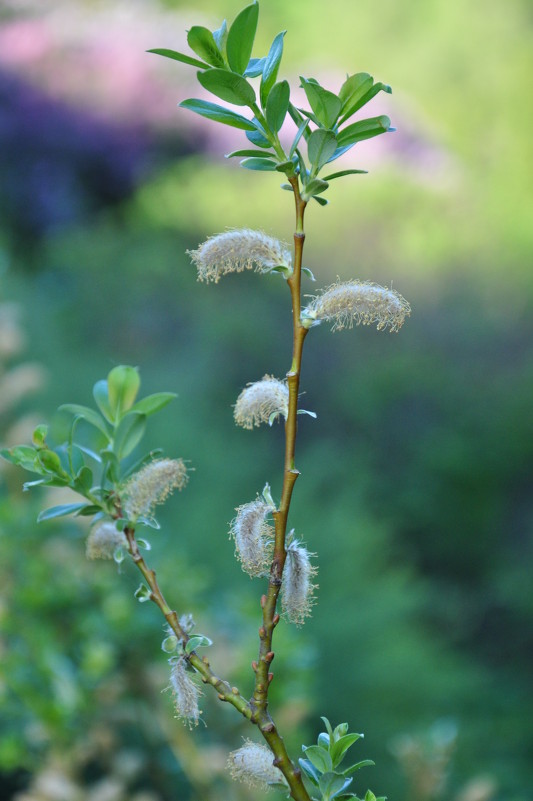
x=225 y=691
x=263 y=676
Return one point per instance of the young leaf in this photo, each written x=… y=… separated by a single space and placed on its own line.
x=218 y=114
x=325 y=105
x=355 y=86
x=87 y=414
x=221 y=37
x=83 y=481
x=318 y=757
x=300 y=132
x=315 y=187
x=129 y=433
x=364 y=763
x=310 y=770
x=331 y=784
x=278 y=105
x=228 y=86
x=101 y=396
x=257 y=138
x=343 y=172
x=354 y=104
x=262 y=165
x=321 y=200
x=364 y=129
x=339 y=748
x=202 y=41
x=258 y=154
x=60 y=511
x=153 y=403
x=327 y=724
x=255 y=67
x=163 y=51
x=321 y=145
x=271 y=67
x=241 y=38
x=123 y=384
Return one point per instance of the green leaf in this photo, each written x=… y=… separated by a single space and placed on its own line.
x=22 y=455
x=39 y=435
x=325 y=105
x=169 y=644
x=202 y=41
x=255 y=67
x=364 y=763
x=323 y=740
x=315 y=187
x=262 y=165
x=321 y=200
x=258 y=138
x=343 y=172
x=331 y=784
x=300 y=132
x=288 y=167
x=318 y=757
x=60 y=511
x=278 y=105
x=228 y=86
x=356 y=103
x=87 y=414
x=101 y=396
x=163 y=51
x=89 y=511
x=355 y=86
x=258 y=154
x=369 y=796
x=153 y=403
x=241 y=38
x=321 y=145
x=142 y=593
x=364 y=129
x=221 y=37
x=310 y=770
x=197 y=641
x=51 y=462
x=218 y=114
x=129 y=433
x=83 y=481
x=339 y=748
x=340 y=730
x=271 y=67
x=123 y=384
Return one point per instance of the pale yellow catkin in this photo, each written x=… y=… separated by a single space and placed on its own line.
x=252 y=764
x=261 y=402
x=103 y=540
x=359 y=302
x=238 y=250
x=152 y=485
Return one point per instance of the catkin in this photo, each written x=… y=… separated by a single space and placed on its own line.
x=359 y=302
x=235 y=251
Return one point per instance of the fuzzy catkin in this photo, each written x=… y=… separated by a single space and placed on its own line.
x=185 y=692
x=261 y=402
x=103 y=540
x=252 y=764
x=152 y=485
x=297 y=588
x=253 y=537
x=238 y=250
x=359 y=302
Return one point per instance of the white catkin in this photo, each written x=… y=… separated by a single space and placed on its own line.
x=252 y=764
x=185 y=692
x=152 y=485
x=253 y=537
x=359 y=302
x=297 y=588
x=103 y=540
x=261 y=402
x=238 y=250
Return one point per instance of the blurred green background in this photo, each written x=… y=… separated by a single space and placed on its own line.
x=416 y=478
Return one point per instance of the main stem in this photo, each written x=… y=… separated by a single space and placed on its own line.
x=263 y=676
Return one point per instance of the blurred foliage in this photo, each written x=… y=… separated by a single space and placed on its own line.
x=415 y=487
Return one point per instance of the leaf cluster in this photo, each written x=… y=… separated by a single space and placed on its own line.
x=321 y=764
x=95 y=474
x=226 y=67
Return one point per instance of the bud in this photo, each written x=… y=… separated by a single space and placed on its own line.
x=253 y=537
x=235 y=251
x=362 y=303
x=103 y=540
x=262 y=402
x=184 y=692
x=252 y=764
x=152 y=485
x=297 y=588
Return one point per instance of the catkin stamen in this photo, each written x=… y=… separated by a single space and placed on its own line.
x=103 y=540
x=359 y=303
x=297 y=588
x=185 y=692
x=252 y=764
x=152 y=485
x=253 y=537
x=262 y=402
x=235 y=251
